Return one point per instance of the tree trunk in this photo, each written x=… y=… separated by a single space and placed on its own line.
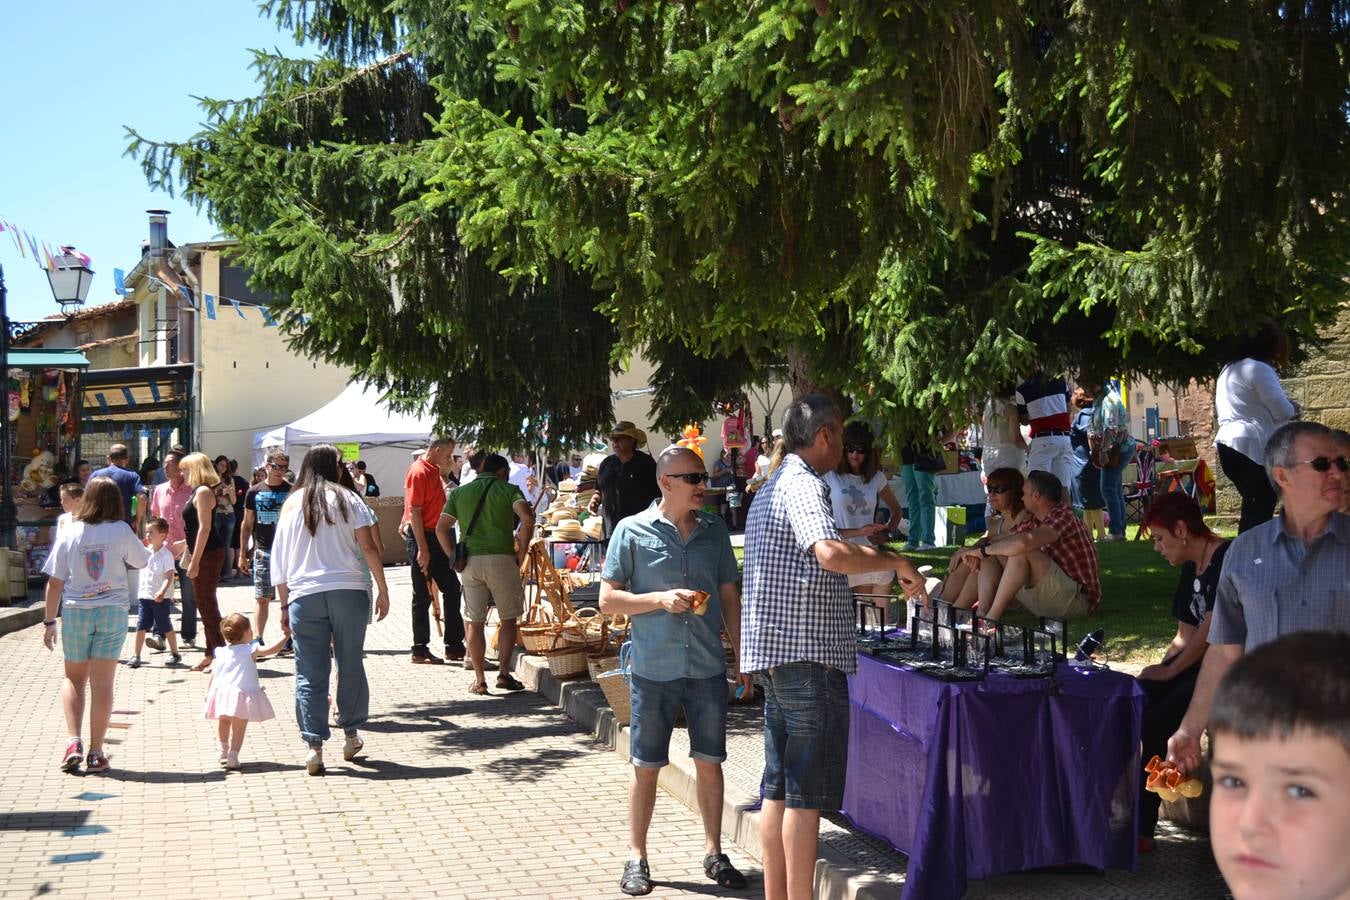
x=802 y=381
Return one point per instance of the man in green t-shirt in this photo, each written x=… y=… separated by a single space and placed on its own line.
x=495 y=525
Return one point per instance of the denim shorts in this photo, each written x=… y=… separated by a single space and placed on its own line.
x=154 y=616
x=93 y=632
x=262 y=575
x=805 y=735
x=657 y=703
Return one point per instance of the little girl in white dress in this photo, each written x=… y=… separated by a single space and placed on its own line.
x=235 y=696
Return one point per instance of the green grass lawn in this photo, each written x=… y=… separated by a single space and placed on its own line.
x=1136 y=608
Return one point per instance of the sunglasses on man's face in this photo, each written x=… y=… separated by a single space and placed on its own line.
x=281 y=466
x=1324 y=463
x=856 y=448
x=691 y=477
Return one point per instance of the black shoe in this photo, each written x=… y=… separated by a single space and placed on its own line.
x=454 y=654
x=719 y=868
x=637 y=878
x=174 y=660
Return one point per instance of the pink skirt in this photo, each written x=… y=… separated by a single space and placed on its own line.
x=252 y=706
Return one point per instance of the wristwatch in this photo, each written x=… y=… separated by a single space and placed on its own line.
x=49 y=624
x=984 y=550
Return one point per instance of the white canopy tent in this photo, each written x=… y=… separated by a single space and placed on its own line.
x=356 y=416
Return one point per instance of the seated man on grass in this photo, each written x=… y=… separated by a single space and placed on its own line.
x=1051 y=570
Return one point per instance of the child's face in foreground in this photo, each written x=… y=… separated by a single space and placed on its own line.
x=1280 y=817
x=155 y=538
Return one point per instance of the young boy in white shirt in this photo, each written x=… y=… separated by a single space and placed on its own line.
x=72 y=492
x=155 y=593
x=1279 y=740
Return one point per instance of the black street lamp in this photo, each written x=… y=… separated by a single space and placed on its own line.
x=70 y=278
x=8 y=513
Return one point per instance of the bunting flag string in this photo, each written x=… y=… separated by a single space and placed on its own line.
x=42 y=254
x=41 y=251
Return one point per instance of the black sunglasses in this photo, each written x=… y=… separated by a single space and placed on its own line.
x=276 y=466
x=1324 y=464
x=856 y=448
x=999 y=489
x=690 y=477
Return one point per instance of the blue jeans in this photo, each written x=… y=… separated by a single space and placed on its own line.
x=805 y=735
x=657 y=703
x=920 y=502
x=317 y=619
x=1113 y=493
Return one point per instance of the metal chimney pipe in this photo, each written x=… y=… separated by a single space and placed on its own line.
x=159 y=231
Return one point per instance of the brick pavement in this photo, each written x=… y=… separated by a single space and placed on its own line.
x=458 y=796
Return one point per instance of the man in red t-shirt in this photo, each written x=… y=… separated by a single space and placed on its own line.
x=1051 y=570
x=423 y=500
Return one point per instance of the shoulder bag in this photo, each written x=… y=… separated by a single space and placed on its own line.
x=461 y=557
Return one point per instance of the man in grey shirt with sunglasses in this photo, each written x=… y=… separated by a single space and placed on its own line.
x=1286 y=575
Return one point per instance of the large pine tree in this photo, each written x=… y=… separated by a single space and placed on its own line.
x=491 y=197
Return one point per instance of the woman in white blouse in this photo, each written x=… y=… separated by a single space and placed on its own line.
x=1250 y=404
x=322 y=533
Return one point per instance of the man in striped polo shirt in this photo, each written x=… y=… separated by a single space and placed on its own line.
x=1043 y=403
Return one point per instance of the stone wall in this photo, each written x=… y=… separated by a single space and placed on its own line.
x=1320 y=387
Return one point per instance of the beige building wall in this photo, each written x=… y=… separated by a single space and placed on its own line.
x=638 y=410
x=249 y=380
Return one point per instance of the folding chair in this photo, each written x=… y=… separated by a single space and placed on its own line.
x=1137 y=500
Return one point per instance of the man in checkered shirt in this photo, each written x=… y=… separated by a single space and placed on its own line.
x=797 y=635
x=1051 y=570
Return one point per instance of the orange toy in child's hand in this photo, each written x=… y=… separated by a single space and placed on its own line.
x=1165 y=780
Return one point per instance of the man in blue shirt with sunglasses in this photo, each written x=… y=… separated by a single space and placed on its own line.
x=1283 y=576
x=671 y=568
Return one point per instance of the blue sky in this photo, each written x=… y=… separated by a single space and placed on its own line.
x=76 y=73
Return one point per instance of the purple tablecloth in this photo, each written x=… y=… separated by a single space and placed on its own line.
x=976 y=779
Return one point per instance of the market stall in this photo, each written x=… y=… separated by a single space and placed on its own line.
x=1002 y=774
x=43 y=409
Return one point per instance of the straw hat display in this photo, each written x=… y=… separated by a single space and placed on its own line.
x=594 y=528
x=568 y=530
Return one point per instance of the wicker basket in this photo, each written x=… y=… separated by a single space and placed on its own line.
x=602 y=663
x=566 y=662
x=615 y=685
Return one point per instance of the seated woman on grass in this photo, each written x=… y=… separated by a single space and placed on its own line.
x=1181 y=537
x=961 y=585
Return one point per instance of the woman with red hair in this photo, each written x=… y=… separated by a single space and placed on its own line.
x=1181 y=536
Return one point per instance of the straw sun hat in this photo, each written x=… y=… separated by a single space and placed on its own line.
x=628 y=429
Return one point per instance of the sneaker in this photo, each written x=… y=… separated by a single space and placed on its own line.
x=74 y=753
x=352 y=747
x=175 y=660
x=134 y=662
x=154 y=642
x=96 y=763
x=314 y=761
x=288 y=647
x=257 y=642
x=224 y=753
x=926 y=545
x=231 y=760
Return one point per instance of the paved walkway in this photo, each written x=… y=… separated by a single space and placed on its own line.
x=458 y=796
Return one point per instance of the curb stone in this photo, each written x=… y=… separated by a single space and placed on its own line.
x=837 y=878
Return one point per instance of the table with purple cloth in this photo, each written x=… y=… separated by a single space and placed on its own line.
x=973 y=779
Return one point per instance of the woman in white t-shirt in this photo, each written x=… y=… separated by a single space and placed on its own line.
x=857 y=488
x=322 y=534
x=87 y=575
